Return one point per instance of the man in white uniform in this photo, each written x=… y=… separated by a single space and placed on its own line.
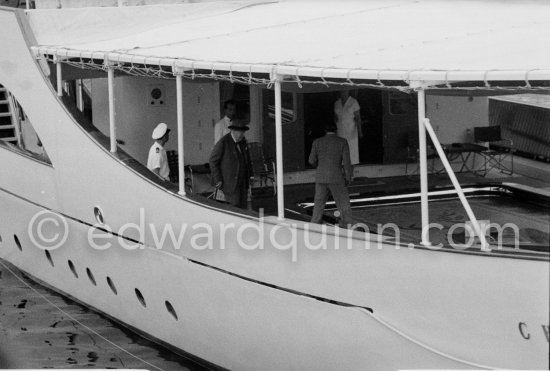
x=222 y=126
x=348 y=121
x=157 y=161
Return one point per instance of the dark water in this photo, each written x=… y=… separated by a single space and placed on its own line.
x=36 y=334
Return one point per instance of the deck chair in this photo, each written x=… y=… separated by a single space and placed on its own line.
x=202 y=182
x=173 y=165
x=263 y=170
x=497 y=149
x=174 y=171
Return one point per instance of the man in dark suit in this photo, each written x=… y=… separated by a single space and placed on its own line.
x=328 y=154
x=230 y=164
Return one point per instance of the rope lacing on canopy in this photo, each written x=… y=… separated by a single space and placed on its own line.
x=323 y=78
x=157 y=67
x=297 y=76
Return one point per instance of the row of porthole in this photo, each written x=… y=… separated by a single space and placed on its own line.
x=112 y=286
x=110 y=283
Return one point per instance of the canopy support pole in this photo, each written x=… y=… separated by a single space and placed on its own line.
x=59 y=78
x=423 y=168
x=79 y=96
x=179 y=105
x=112 y=123
x=279 y=148
x=456 y=184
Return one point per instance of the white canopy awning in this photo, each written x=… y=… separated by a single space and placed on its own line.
x=414 y=41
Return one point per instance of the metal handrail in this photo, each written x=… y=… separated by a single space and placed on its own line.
x=456 y=184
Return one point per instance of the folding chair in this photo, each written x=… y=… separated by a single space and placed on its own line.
x=263 y=170
x=497 y=149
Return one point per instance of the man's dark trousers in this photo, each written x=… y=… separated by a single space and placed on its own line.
x=340 y=194
x=239 y=197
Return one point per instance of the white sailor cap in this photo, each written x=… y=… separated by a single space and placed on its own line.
x=160 y=131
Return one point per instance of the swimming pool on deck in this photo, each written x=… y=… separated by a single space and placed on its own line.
x=512 y=216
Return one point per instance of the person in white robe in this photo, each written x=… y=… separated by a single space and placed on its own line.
x=348 y=121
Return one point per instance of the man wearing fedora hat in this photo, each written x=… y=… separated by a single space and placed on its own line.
x=230 y=164
x=157 y=161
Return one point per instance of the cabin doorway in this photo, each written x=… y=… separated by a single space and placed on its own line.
x=319 y=110
x=400 y=117
x=371 y=146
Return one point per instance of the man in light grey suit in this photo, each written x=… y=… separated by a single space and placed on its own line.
x=328 y=154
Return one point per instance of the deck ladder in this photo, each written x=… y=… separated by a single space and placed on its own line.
x=9 y=123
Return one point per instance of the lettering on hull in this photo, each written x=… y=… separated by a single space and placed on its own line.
x=524 y=331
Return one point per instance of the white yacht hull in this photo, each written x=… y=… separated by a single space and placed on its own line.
x=239 y=324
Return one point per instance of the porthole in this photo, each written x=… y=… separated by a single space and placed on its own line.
x=171 y=310
x=16 y=239
x=112 y=285
x=71 y=265
x=98 y=215
x=49 y=257
x=90 y=276
x=140 y=298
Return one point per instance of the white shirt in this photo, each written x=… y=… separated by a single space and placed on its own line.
x=158 y=160
x=221 y=128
